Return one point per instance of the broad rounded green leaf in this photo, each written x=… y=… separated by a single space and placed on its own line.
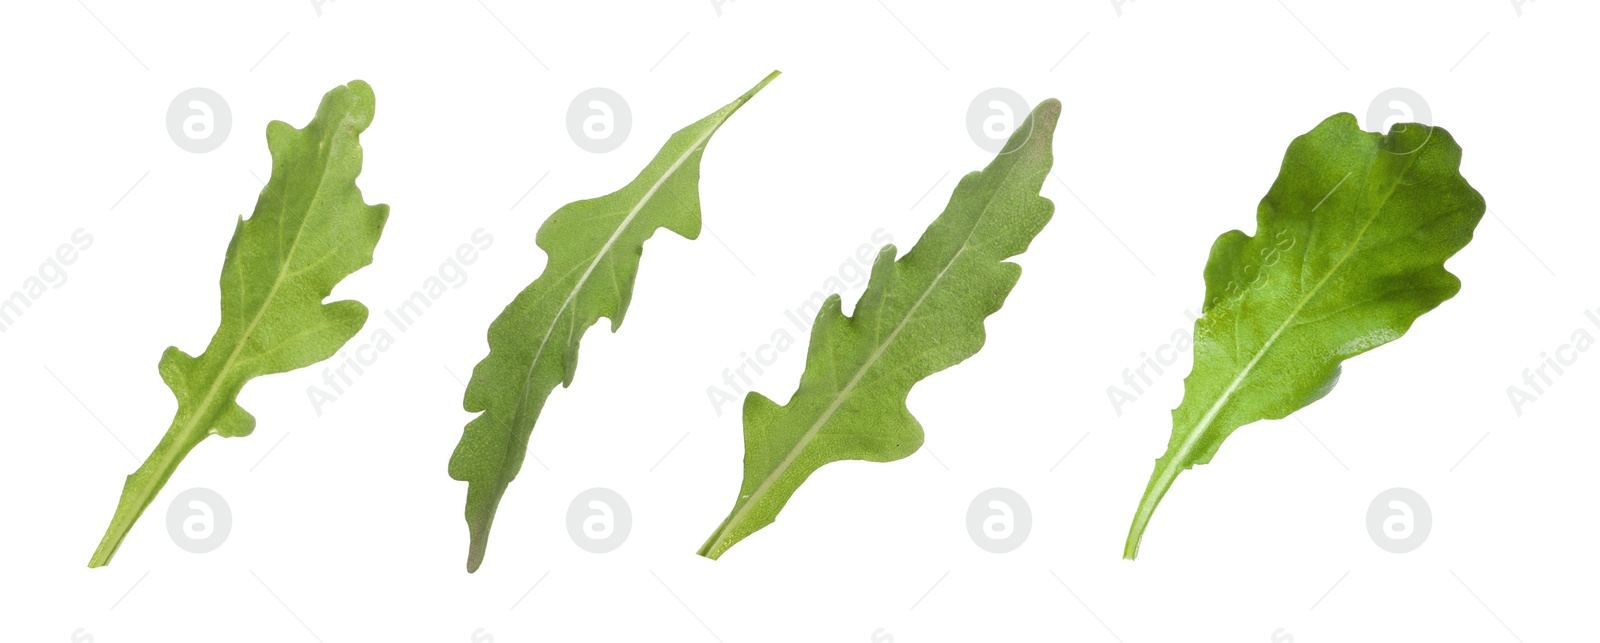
x=309 y=231
x=918 y=316
x=594 y=248
x=1349 y=250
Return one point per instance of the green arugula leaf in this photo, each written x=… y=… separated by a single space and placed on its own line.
x=594 y=247
x=309 y=231
x=918 y=316
x=1349 y=250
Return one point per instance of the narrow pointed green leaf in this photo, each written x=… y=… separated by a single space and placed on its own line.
x=594 y=247
x=1349 y=250
x=309 y=231
x=918 y=316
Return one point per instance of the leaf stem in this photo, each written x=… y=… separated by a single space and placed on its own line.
x=1159 y=484
x=138 y=491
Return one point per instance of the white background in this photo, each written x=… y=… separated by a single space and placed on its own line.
x=347 y=528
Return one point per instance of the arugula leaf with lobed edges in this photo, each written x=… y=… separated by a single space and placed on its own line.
x=310 y=229
x=918 y=316
x=1349 y=250
x=594 y=247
